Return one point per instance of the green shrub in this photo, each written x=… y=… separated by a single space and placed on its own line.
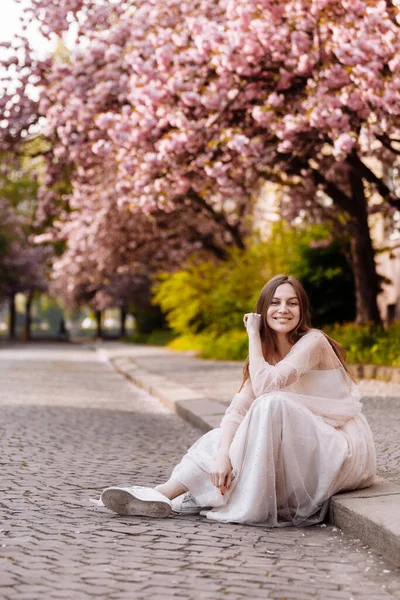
x=190 y=342
x=369 y=344
x=232 y=345
x=212 y=297
x=148 y=317
x=158 y=337
x=323 y=269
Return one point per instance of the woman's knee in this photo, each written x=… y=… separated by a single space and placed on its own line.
x=276 y=403
x=272 y=402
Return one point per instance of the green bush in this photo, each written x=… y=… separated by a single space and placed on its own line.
x=213 y=296
x=148 y=318
x=323 y=269
x=369 y=344
x=190 y=342
x=158 y=337
x=210 y=296
x=232 y=345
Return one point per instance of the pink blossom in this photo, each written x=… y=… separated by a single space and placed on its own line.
x=343 y=144
x=101 y=148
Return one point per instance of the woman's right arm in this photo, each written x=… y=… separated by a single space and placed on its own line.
x=237 y=410
x=227 y=434
x=221 y=476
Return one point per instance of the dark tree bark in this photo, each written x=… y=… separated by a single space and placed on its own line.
x=99 y=330
x=28 y=316
x=362 y=252
x=12 y=314
x=365 y=276
x=122 y=316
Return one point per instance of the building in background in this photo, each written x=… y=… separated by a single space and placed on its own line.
x=387 y=243
x=385 y=231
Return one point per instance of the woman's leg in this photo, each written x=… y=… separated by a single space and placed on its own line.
x=171 y=489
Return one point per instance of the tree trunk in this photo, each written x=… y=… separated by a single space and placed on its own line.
x=123 y=315
x=12 y=314
x=99 y=331
x=28 y=317
x=364 y=267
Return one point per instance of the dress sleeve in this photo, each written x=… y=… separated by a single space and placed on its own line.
x=305 y=355
x=239 y=406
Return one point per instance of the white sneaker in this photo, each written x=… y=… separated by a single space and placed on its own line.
x=136 y=501
x=185 y=505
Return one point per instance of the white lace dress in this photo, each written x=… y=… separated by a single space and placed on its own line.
x=300 y=438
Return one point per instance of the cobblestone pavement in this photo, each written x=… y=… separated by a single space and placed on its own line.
x=220 y=380
x=72 y=426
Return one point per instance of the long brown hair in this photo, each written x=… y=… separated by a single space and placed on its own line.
x=267 y=335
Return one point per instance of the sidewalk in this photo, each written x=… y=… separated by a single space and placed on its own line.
x=199 y=391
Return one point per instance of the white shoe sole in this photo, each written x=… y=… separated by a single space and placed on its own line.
x=126 y=503
x=189 y=511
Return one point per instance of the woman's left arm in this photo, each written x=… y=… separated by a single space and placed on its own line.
x=265 y=377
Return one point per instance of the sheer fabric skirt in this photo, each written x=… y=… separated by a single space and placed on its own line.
x=286 y=461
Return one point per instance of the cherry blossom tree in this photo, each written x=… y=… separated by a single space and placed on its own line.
x=172 y=105
x=96 y=270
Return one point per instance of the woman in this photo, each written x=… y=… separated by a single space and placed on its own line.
x=292 y=437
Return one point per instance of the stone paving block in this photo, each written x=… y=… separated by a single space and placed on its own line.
x=290 y=594
x=8 y=580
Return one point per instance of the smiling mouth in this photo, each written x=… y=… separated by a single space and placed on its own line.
x=282 y=319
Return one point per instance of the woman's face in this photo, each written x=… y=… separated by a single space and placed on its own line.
x=283 y=314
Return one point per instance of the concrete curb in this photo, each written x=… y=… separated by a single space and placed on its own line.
x=380 y=372
x=371 y=515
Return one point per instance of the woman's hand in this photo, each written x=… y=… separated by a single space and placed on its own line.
x=252 y=322
x=221 y=474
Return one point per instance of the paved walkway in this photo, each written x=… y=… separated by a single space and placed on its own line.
x=72 y=425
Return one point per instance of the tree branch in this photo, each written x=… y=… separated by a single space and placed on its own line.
x=363 y=171
x=387 y=142
x=218 y=218
x=393 y=12
x=341 y=199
